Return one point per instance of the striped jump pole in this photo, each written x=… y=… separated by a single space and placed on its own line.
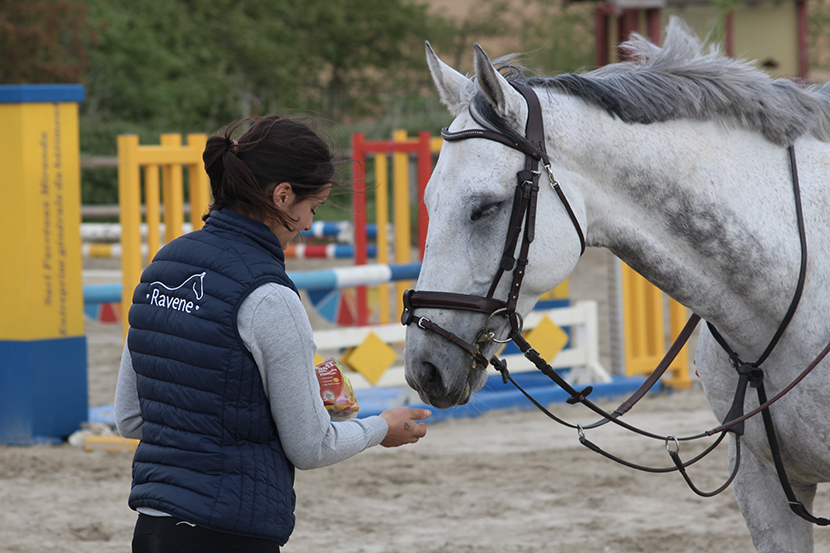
x=294 y=251
x=328 y=279
x=337 y=231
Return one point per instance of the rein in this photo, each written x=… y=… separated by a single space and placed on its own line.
x=523 y=215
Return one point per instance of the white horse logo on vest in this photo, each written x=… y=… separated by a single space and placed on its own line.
x=172 y=300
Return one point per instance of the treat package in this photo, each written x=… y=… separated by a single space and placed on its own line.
x=336 y=391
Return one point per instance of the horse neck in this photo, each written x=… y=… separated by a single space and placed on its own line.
x=704 y=213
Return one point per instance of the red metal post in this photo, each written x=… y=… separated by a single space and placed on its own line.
x=653 y=22
x=730 y=34
x=602 y=42
x=803 y=61
x=626 y=24
x=424 y=172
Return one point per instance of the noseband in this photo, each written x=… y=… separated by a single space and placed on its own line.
x=522 y=215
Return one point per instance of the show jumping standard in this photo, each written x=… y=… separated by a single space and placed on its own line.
x=705 y=175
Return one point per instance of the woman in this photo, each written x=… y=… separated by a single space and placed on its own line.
x=217 y=377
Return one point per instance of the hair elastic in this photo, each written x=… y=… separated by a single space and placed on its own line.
x=234 y=147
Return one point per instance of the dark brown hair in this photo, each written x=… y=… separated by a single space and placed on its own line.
x=244 y=171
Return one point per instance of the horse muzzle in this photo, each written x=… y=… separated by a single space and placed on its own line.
x=443 y=386
x=441 y=366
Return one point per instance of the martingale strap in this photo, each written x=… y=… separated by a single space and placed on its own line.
x=752 y=374
x=802 y=276
x=796 y=506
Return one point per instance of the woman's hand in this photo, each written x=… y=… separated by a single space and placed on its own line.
x=402 y=426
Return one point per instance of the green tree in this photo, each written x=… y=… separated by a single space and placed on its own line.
x=819 y=42
x=198 y=64
x=482 y=19
x=153 y=67
x=361 y=49
x=43 y=41
x=195 y=65
x=558 y=37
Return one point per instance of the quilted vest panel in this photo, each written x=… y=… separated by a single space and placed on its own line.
x=209 y=453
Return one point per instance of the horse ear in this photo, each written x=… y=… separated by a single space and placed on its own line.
x=503 y=97
x=449 y=82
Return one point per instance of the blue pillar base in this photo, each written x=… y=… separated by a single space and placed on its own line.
x=43 y=389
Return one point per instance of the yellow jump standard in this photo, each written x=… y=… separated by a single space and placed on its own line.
x=43 y=368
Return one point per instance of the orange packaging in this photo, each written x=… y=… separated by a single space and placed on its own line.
x=336 y=391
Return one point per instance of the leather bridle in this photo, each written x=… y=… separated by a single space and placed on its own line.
x=523 y=216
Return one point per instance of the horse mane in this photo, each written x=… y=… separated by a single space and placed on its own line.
x=681 y=81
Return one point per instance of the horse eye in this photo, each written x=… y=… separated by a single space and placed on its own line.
x=484 y=211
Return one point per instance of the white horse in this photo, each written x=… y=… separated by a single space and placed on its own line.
x=678 y=164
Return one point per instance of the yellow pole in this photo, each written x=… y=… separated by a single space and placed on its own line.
x=655 y=325
x=152 y=202
x=644 y=329
x=129 y=204
x=170 y=157
x=199 y=182
x=678 y=315
x=400 y=171
x=172 y=191
x=382 y=220
x=643 y=323
x=43 y=383
x=630 y=330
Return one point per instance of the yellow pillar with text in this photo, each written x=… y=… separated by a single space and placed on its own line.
x=43 y=381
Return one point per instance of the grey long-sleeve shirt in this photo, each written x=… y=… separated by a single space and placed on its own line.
x=275 y=328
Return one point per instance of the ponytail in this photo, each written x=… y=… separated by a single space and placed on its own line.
x=244 y=171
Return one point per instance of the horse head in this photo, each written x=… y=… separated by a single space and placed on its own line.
x=473 y=202
x=198 y=284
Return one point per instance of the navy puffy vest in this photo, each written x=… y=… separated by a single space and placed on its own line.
x=209 y=452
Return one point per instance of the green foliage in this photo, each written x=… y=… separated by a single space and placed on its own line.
x=362 y=49
x=151 y=67
x=99 y=138
x=819 y=42
x=558 y=37
x=717 y=32
x=195 y=65
x=43 y=41
x=483 y=19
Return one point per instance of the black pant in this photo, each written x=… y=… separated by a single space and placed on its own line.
x=172 y=535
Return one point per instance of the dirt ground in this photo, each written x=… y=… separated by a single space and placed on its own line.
x=506 y=481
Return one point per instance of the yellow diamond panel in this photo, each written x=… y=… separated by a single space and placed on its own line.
x=371 y=358
x=547 y=338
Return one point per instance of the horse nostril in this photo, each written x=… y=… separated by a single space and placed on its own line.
x=434 y=384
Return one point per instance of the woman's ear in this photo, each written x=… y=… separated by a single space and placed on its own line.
x=283 y=193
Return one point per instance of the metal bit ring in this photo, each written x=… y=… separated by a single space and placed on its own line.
x=499 y=312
